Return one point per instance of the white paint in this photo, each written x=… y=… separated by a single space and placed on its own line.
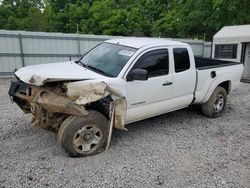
x=246 y=72
x=237 y=32
x=144 y=98
x=55 y=72
x=149 y=98
x=139 y=42
x=83 y=92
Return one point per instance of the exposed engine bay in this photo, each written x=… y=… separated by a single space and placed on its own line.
x=53 y=102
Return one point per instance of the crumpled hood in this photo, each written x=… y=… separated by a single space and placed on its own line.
x=39 y=74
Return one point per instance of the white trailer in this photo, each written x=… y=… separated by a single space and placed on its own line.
x=233 y=43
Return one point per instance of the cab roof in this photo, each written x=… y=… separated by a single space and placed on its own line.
x=139 y=42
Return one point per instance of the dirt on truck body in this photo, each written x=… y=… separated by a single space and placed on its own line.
x=70 y=98
x=54 y=102
x=120 y=81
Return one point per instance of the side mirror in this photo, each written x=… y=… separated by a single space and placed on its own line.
x=138 y=74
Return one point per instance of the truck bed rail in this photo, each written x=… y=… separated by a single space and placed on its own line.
x=208 y=63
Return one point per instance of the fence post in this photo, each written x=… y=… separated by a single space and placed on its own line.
x=21 y=49
x=203 y=48
x=78 y=45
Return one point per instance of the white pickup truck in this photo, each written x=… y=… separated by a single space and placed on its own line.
x=118 y=82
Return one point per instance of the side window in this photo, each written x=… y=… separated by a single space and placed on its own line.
x=181 y=59
x=226 y=51
x=155 y=62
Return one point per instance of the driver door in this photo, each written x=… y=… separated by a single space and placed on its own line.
x=149 y=97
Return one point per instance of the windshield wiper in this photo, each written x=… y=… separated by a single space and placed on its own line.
x=92 y=68
x=99 y=71
x=81 y=63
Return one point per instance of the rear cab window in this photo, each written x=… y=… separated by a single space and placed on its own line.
x=181 y=59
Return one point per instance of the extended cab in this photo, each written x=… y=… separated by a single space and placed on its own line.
x=118 y=82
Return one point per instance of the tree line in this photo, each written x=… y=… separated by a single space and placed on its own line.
x=153 y=18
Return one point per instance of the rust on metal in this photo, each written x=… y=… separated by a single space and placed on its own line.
x=84 y=92
x=120 y=113
x=52 y=103
x=44 y=102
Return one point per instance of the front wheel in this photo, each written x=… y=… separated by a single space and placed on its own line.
x=84 y=136
x=216 y=104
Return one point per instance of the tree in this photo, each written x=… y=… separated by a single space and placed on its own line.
x=194 y=18
x=35 y=20
x=5 y=14
x=164 y=18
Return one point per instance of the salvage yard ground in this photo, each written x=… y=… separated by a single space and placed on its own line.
x=179 y=149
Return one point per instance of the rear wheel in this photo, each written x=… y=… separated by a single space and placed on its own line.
x=84 y=136
x=216 y=104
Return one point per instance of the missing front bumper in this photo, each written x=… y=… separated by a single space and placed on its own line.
x=43 y=103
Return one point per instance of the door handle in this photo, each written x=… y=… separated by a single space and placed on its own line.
x=167 y=83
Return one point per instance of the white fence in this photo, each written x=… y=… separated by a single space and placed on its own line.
x=20 y=48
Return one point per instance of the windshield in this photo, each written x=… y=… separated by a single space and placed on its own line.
x=107 y=59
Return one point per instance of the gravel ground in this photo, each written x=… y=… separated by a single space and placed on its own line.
x=179 y=149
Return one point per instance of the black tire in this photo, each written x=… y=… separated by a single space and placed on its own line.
x=84 y=136
x=214 y=107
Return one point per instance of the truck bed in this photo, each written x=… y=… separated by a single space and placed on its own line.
x=208 y=63
x=222 y=71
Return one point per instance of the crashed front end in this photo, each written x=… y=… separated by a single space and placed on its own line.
x=53 y=102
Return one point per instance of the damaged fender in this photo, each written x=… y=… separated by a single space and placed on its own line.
x=84 y=92
x=69 y=98
x=41 y=101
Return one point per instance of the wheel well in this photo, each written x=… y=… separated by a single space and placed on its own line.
x=226 y=85
x=101 y=106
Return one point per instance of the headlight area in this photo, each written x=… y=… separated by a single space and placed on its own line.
x=46 y=105
x=18 y=93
